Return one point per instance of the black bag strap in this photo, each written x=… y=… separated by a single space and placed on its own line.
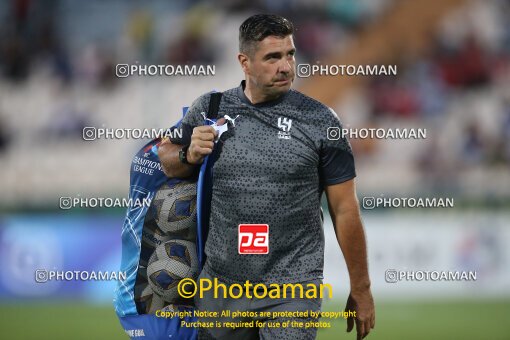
x=214 y=105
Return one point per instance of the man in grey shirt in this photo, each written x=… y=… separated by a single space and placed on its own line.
x=271 y=167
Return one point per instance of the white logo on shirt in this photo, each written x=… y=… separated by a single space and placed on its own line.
x=231 y=120
x=284 y=124
x=220 y=128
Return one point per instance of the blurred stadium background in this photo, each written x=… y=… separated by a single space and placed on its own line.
x=57 y=75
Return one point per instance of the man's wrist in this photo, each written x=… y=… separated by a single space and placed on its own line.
x=184 y=155
x=360 y=287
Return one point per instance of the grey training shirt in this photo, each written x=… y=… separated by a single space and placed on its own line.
x=271 y=169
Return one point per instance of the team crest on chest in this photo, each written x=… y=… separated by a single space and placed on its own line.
x=284 y=124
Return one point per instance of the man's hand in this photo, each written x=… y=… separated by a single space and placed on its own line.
x=363 y=304
x=202 y=142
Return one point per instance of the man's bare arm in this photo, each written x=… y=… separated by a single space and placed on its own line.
x=168 y=154
x=344 y=210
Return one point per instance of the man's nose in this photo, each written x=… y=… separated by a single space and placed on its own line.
x=284 y=66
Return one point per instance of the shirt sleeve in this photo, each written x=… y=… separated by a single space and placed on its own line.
x=192 y=119
x=336 y=158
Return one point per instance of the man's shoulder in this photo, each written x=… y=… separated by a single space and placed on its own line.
x=202 y=100
x=232 y=91
x=310 y=106
x=205 y=98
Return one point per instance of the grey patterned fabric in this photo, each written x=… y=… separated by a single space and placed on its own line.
x=271 y=168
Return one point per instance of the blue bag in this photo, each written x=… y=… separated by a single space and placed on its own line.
x=146 y=178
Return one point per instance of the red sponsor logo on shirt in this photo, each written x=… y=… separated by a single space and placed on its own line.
x=253 y=238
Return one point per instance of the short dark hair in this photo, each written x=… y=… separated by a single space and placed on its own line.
x=259 y=26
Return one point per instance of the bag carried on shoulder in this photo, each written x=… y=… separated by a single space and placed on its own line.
x=162 y=243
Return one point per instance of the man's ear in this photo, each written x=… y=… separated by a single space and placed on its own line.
x=244 y=61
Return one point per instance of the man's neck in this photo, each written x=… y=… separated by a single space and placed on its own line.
x=255 y=97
